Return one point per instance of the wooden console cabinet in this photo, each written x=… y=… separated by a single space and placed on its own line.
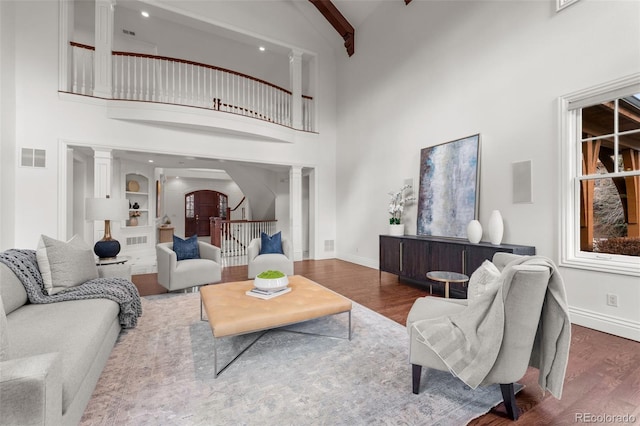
x=411 y=257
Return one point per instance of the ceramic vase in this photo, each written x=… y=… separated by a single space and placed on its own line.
x=496 y=227
x=474 y=232
x=133 y=221
x=396 y=229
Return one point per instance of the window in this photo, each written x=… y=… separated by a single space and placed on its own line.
x=600 y=134
x=189 y=206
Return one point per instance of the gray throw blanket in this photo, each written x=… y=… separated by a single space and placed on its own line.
x=469 y=342
x=24 y=264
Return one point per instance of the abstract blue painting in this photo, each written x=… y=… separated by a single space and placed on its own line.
x=448 y=197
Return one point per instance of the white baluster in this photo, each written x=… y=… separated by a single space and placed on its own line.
x=211 y=71
x=122 y=81
x=74 y=56
x=128 y=96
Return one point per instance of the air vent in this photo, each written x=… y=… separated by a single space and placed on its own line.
x=134 y=241
x=33 y=157
x=131 y=33
x=328 y=245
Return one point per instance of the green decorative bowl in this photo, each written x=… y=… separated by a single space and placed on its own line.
x=271 y=281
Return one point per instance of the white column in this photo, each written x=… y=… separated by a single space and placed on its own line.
x=102 y=68
x=102 y=166
x=66 y=10
x=295 y=76
x=295 y=210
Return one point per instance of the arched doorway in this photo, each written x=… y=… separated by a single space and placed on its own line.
x=199 y=206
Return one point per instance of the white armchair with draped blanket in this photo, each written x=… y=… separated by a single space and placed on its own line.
x=515 y=317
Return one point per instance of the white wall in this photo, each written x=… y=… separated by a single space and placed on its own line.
x=45 y=120
x=8 y=153
x=452 y=69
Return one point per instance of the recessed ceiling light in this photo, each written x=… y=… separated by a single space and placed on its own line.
x=262 y=48
x=144 y=13
x=151 y=161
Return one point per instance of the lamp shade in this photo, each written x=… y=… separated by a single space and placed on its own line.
x=106 y=209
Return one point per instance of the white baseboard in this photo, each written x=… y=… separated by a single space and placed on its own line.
x=363 y=261
x=606 y=323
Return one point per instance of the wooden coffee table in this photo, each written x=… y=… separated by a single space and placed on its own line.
x=231 y=312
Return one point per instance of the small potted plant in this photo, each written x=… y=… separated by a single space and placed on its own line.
x=396 y=207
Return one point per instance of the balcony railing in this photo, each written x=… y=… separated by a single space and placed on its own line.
x=233 y=236
x=150 y=78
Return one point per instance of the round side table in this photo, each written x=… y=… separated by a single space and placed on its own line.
x=447 y=277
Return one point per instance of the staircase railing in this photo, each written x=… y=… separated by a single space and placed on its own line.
x=233 y=236
x=151 y=78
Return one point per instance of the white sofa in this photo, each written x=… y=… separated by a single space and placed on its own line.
x=51 y=355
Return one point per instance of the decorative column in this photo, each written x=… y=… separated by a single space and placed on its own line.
x=295 y=76
x=102 y=69
x=295 y=210
x=102 y=166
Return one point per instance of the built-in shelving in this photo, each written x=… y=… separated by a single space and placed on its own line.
x=137 y=193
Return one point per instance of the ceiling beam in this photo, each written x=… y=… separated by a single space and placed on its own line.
x=338 y=21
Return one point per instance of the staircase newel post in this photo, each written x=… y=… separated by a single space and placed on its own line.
x=216 y=231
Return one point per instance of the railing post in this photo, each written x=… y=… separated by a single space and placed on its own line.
x=215 y=228
x=104 y=45
x=295 y=76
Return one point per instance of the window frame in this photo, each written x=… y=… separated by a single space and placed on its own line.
x=570 y=137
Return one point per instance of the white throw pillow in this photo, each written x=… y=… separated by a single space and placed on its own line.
x=483 y=279
x=64 y=265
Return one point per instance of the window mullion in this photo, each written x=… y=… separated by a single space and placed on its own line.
x=616 y=137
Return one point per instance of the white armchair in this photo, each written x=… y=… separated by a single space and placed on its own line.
x=258 y=263
x=534 y=312
x=178 y=275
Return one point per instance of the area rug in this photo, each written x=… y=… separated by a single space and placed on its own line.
x=162 y=373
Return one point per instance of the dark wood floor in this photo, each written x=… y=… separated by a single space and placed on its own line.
x=603 y=376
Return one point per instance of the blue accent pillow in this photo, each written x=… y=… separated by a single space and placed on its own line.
x=271 y=244
x=186 y=249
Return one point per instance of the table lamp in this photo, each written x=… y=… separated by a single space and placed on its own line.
x=107 y=209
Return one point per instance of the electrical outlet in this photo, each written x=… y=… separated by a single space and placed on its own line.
x=612 y=300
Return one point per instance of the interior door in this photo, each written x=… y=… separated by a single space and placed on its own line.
x=199 y=207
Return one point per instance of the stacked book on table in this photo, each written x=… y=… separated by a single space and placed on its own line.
x=267 y=294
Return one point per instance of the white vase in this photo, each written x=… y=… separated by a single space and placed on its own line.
x=496 y=227
x=474 y=232
x=396 y=229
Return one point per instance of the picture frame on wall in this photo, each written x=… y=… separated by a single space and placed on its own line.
x=448 y=198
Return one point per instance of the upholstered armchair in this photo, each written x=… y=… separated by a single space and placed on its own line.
x=174 y=274
x=521 y=294
x=258 y=263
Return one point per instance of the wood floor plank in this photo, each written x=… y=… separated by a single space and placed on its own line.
x=603 y=376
